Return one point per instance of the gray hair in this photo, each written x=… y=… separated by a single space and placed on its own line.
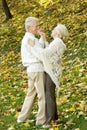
x=30 y=21
x=62 y=31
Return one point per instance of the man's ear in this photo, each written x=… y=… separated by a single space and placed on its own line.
x=28 y=28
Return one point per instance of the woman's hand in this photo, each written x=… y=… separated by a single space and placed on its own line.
x=42 y=34
x=31 y=42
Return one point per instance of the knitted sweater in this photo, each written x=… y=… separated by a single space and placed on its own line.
x=52 y=58
x=29 y=60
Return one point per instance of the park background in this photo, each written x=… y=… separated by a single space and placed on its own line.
x=72 y=99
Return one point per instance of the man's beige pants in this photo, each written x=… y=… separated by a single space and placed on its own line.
x=36 y=86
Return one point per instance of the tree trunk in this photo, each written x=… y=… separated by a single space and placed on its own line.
x=6 y=10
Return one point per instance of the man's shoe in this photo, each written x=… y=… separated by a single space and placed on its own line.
x=26 y=121
x=19 y=121
x=46 y=126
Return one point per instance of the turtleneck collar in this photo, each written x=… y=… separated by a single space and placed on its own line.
x=30 y=34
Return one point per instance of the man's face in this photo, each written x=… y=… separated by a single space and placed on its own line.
x=34 y=28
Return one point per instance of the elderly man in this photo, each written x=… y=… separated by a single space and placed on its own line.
x=35 y=72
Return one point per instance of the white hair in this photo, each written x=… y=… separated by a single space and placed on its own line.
x=30 y=21
x=62 y=31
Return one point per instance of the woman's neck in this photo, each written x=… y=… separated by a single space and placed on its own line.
x=55 y=37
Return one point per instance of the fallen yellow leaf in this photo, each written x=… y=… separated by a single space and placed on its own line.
x=11 y=127
x=77 y=129
x=72 y=109
x=51 y=129
x=16 y=115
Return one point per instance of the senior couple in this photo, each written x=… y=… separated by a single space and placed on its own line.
x=43 y=62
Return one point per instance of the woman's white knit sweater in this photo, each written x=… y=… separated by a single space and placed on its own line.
x=52 y=58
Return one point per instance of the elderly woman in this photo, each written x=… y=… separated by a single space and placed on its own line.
x=51 y=57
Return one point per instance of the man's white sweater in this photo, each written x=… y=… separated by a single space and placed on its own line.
x=32 y=63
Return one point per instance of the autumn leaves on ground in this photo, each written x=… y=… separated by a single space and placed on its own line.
x=72 y=99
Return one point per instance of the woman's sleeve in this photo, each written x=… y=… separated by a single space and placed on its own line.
x=43 y=43
x=61 y=47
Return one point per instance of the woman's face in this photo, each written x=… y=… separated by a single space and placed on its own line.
x=53 y=33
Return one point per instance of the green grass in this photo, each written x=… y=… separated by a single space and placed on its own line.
x=72 y=100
